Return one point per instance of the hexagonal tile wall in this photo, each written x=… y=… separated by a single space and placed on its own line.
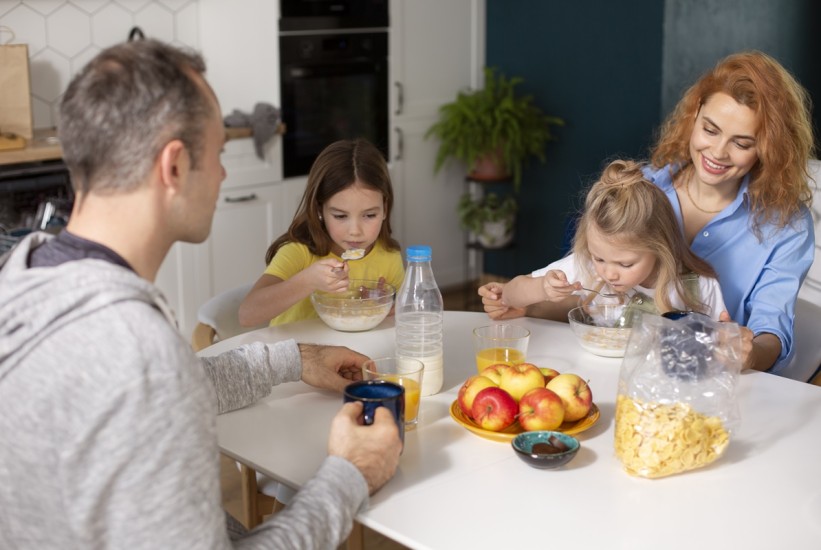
x=63 y=35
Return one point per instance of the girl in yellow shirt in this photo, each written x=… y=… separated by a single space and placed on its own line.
x=346 y=207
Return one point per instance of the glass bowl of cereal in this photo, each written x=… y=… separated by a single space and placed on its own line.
x=601 y=329
x=362 y=307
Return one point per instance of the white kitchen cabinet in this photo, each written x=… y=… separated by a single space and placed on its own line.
x=240 y=44
x=437 y=49
x=246 y=222
x=254 y=207
x=177 y=280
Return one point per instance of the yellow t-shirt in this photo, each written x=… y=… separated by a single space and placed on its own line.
x=292 y=258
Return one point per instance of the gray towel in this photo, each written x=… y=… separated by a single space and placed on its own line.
x=263 y=122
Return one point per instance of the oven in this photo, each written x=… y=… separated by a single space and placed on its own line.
x=333 y=78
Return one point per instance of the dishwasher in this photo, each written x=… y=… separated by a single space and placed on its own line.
x=34 y=196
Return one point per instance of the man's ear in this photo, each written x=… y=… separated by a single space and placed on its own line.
x=174 y=164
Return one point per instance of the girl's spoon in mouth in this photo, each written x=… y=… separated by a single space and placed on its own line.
x=351 y=254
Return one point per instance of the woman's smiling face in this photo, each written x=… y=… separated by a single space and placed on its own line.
x=723 y=143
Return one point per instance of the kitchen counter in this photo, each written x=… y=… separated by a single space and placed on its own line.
x=46 y=146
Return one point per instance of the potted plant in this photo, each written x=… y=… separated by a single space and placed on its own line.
x=492 y=126
x=490 y=218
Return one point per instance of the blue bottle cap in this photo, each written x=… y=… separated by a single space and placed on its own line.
x=419 y=253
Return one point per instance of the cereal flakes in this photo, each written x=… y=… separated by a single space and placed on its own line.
x=657 y=440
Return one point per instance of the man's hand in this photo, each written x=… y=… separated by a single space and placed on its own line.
x=491 y=294
x=330 y=367
x=373 y=449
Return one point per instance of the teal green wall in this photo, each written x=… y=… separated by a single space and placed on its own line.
x=598 y=66
x=613 y=69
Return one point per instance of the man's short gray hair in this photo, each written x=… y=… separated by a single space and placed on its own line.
x=124 y=106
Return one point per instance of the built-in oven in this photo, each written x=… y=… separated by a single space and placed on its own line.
x=333 y=80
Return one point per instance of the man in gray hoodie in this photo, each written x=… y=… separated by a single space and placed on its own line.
x=107 y=418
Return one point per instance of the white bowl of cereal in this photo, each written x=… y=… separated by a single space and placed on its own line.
x=363 y=306
x=601 y=329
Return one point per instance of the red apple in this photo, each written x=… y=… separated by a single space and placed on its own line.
x=494 y=372
x=519 y=379
x=549 y=374
x=468 y=391
x=494 y=409
x=575 y=393
x=540 y=409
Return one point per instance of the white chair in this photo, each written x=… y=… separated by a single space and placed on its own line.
x=807 y=360
x=217 y=318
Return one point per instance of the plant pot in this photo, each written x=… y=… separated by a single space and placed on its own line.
x=496 y=234
x=489 y=167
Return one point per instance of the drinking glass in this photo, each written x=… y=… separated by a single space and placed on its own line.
x=502 y=343
x=405 y=371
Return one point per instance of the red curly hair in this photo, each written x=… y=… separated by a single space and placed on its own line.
x=778 y=182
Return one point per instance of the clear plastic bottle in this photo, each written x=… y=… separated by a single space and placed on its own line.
x=419 y=310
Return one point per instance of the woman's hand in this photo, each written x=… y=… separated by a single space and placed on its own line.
x=747 y=336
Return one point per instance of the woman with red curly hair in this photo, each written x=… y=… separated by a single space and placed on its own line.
x=732 y=159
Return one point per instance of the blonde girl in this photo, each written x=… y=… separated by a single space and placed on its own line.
x=627 y=243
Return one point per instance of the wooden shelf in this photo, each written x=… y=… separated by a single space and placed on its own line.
x=46 y=146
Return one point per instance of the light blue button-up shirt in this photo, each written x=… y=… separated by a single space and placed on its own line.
x=759 y=279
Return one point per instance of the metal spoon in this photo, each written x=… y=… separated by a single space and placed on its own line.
x=351 y=254
x=602 y=294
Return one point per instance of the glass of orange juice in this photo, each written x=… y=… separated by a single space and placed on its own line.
x=501 y=343
x=405 y=371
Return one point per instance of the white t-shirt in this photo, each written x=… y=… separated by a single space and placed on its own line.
x=709 y=289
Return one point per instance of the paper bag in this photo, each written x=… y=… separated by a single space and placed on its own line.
x=15 y=91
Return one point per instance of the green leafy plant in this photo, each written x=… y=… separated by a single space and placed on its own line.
x=492 y=121
x=473 y=213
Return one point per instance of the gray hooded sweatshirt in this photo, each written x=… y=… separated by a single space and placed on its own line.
x=108 y=420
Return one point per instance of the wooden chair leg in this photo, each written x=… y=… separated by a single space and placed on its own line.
x=817 y=377
x=356 y=540
x=255 y=505
x=202 y=337
x=248 y=481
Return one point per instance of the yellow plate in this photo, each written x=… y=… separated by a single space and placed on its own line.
x=510 y=432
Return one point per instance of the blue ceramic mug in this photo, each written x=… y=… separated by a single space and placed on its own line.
x=379 y=393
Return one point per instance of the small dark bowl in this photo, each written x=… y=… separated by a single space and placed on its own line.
x=524 y=442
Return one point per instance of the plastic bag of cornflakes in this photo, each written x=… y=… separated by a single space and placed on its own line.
x=676 y=404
